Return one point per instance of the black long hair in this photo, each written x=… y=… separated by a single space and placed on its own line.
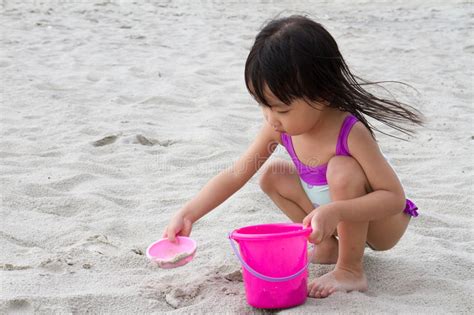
x=297 y=58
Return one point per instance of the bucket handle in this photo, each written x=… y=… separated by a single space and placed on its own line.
x=261 y=276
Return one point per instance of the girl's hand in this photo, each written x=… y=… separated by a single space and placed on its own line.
x=323 y=221
x=179 y=225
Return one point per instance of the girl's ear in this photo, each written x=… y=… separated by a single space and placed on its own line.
x=326 y=99
x=318 y=104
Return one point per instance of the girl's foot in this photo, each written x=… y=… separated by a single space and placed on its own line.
x=339 y=279
x=326 y=252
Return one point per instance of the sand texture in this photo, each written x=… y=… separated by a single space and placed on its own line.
x=115 y=113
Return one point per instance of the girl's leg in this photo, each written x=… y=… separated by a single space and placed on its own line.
x=281 y=183
x=384 y=234
x=346 y=180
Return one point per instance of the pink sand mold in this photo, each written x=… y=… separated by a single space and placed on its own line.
x=167 y=254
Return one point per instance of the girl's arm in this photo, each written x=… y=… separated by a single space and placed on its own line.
x=387 y=197
x=227 y=182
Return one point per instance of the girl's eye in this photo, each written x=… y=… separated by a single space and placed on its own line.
x=283 y=112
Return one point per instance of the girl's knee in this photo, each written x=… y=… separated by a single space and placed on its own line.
x=386 y=247
x=265 y=180
x=344 y=173
x=270 y=173
x=380 y=247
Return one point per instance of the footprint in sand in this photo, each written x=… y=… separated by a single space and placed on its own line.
x=99 y=243
x=469 y=49
x=56 y=264
x=105 y=141
x=180 y=294
x=187 y=295
x=181 y=297
x=150 y=142
x=175 y=295
x=19 y=306
x=12 y=267
x=141 y=139
x=235 y=276
x=136 y=139
x=145 y=141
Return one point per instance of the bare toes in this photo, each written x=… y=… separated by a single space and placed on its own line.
x=314 y=291
x=325 y=292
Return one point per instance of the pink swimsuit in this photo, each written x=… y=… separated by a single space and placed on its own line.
x=313 y=178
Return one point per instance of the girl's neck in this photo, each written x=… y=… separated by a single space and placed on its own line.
x=328 y=118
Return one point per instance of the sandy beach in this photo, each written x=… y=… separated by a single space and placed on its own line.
x=115 y=113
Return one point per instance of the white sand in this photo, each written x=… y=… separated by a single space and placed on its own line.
x=164 y=81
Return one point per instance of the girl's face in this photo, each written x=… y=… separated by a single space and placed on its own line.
x=297 y=118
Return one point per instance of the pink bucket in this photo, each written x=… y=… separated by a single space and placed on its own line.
x=274 y=263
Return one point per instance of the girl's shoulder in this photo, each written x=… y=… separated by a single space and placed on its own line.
x=360 y=133
x=360 y=139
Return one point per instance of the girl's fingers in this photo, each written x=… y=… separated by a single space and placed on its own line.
x=165 y=232
x=317 y=236
x=306 y=222
x=171 y=234
x=307 y=219
x=314 y=236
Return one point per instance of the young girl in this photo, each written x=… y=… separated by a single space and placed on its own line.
x=339 y=181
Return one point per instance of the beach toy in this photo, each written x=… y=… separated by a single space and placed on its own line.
x=274 y=260
x=167 y=254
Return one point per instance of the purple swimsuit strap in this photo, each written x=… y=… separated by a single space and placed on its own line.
x=341 y=146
